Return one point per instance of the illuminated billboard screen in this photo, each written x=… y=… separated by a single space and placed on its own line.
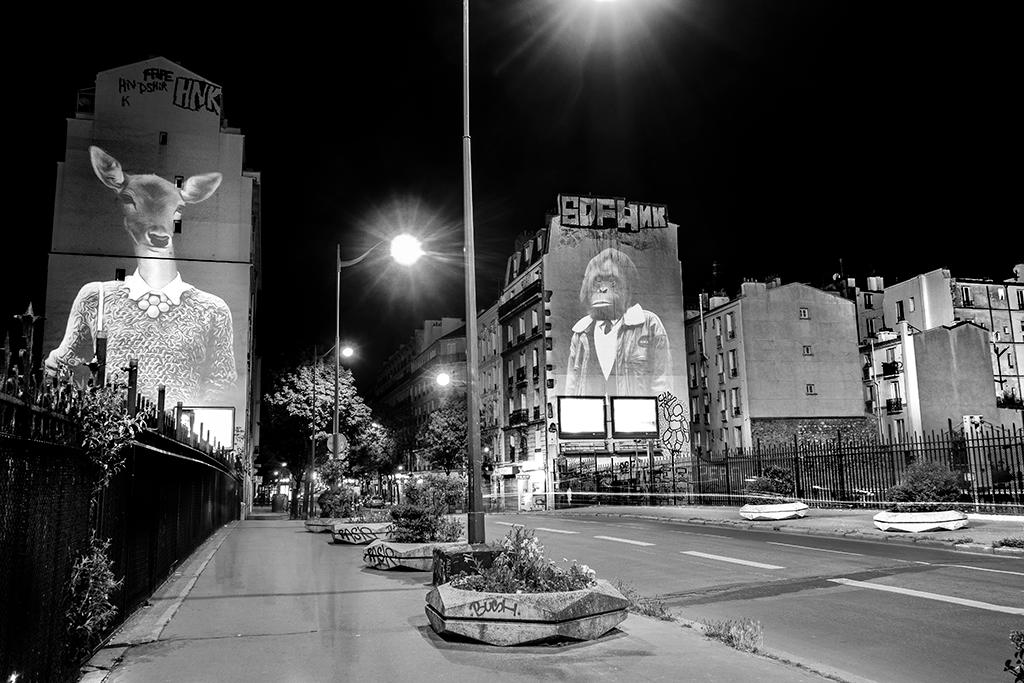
x=581 y=417
x=616 y=306
x=634 y=418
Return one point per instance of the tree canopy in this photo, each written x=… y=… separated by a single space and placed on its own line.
x=444 y=435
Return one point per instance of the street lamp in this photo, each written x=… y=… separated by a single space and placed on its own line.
x=406 y=250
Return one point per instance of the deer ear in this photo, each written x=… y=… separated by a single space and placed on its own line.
x=200 y=187
x=106 y=167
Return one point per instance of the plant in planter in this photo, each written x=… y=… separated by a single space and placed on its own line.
x=420 y=524
x=523 y=597
x=924 y=500
x=769 y=497
x=335 y=505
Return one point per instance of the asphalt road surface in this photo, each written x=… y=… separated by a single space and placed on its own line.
x=884 y=612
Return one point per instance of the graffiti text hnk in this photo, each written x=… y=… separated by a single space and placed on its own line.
x=196 y=95
x=601 y=212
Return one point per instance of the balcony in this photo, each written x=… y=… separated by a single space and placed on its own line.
x=519 y=417
x=1010 y=402
x=893 y=406
x=520 y=375
x=891 y=368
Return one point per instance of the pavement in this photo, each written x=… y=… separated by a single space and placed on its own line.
x=982 y=533
x=264 y=600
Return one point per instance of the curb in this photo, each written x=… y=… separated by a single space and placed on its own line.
x=790 y=529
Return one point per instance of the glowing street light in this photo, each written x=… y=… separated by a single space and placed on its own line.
x=406 y=249
x=443 y=379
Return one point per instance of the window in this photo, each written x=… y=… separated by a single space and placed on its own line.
x=163 y=138
x=536 y=359
x=868 y=301
x=737 y=437
x=871 y=327
x=1020 y=299
x=693 y=374
x=807 y=350
x=894 y=389
x=177 y=226
x=890 y=355
x=965 y=296
x=899 y=311
x=522 y=400
x=910 y=304
x=719 y=360
x=809 y=389
x=734 y=397
x=522 y=325
x=179 y=181
x=535 y=319
x=1001 y=294
x=805 y=314
x=732 y=362
x=730 y=331
x=1009 y=359
x=119 y=274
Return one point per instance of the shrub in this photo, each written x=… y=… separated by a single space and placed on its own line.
x=1016 y=668
x=341 y=503
x=745 y=634
x=107 y=429
x=774 y=486
x=89 y=609
x=922 y=486
x=442 y=492
x=421 y=524
x=522 y=568
x=1011 y=542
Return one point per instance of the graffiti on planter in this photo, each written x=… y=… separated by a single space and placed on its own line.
x=360 y=534
x=481 y=608
x=380 y=556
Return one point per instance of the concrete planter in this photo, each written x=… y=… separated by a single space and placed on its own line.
x=773 y=512
x=388 y=555
x=361 y=533
x=945 y=520
x=320 y=525
x=519 y=618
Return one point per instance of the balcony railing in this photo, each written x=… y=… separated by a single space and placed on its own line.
x=519 y=417
x=894 y=406
x=891 y=368
x=1010 y=402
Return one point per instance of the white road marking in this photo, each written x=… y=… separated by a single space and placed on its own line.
x=622 y=540
x=508 y=524
x=981 y=569
x=929 y=596
x=734 y=560
x=823 y=550
x=556 y=531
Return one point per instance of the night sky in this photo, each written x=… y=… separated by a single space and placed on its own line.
x=782 y=135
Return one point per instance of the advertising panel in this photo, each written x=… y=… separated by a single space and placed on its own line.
x=616 y=306
x=185 y=321
x=581 y=417
x=634 y=417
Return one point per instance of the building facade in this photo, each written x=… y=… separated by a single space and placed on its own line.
x=776 y=362
x=939 y=298
x=156 y=248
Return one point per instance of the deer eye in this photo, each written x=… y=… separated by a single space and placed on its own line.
x=127 y=200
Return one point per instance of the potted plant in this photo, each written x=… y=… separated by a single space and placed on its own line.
x=525 y=598
x=420 y=524
x=769 y=497
x=924 y=500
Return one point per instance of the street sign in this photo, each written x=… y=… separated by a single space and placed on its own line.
x=337 y=445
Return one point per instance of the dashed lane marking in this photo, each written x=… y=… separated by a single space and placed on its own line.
x=822 y=550
x=929 y=596
x=622 y=540
x=556 y=531
x=722 y=558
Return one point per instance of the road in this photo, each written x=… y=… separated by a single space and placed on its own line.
x=883 y=612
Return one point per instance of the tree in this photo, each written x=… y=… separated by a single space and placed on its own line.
x=291 y=420
x=445 y=435
x=372 y=450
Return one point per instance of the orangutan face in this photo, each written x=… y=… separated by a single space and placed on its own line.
x=608 y=290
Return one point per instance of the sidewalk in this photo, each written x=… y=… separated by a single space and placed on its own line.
x=980 y=534
x=264 y=600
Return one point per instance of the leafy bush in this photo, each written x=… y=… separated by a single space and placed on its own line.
x=1017 y=669
x=745 y=634
x=89 y=609
x=443 y=492
x=1010 y=542
x=107 y=429
x=774 y=486
x=522 y=568
x=421 y=524
x=922 y=486
x=337 y=504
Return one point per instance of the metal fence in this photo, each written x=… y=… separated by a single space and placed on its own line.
x=844 y=473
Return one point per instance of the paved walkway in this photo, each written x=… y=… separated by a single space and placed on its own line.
x=263 y=600
x=982 y=533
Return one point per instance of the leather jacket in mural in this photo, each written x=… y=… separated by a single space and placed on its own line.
x=643 y=362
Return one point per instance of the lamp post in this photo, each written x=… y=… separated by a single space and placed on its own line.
x=406 y=250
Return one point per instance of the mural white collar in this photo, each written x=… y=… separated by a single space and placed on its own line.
x=634 y=316
x=137 y=288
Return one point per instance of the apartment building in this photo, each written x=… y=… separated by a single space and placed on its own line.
x=776 y=362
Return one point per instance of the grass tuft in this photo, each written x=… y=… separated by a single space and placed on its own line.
x=1011 y=542
x=649 y=607
x=743 y=634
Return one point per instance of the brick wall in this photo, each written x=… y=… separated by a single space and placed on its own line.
x=771 y=431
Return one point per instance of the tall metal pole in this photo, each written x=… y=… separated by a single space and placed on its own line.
x=312 y=440
x=475 y=517
x=337 y=345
